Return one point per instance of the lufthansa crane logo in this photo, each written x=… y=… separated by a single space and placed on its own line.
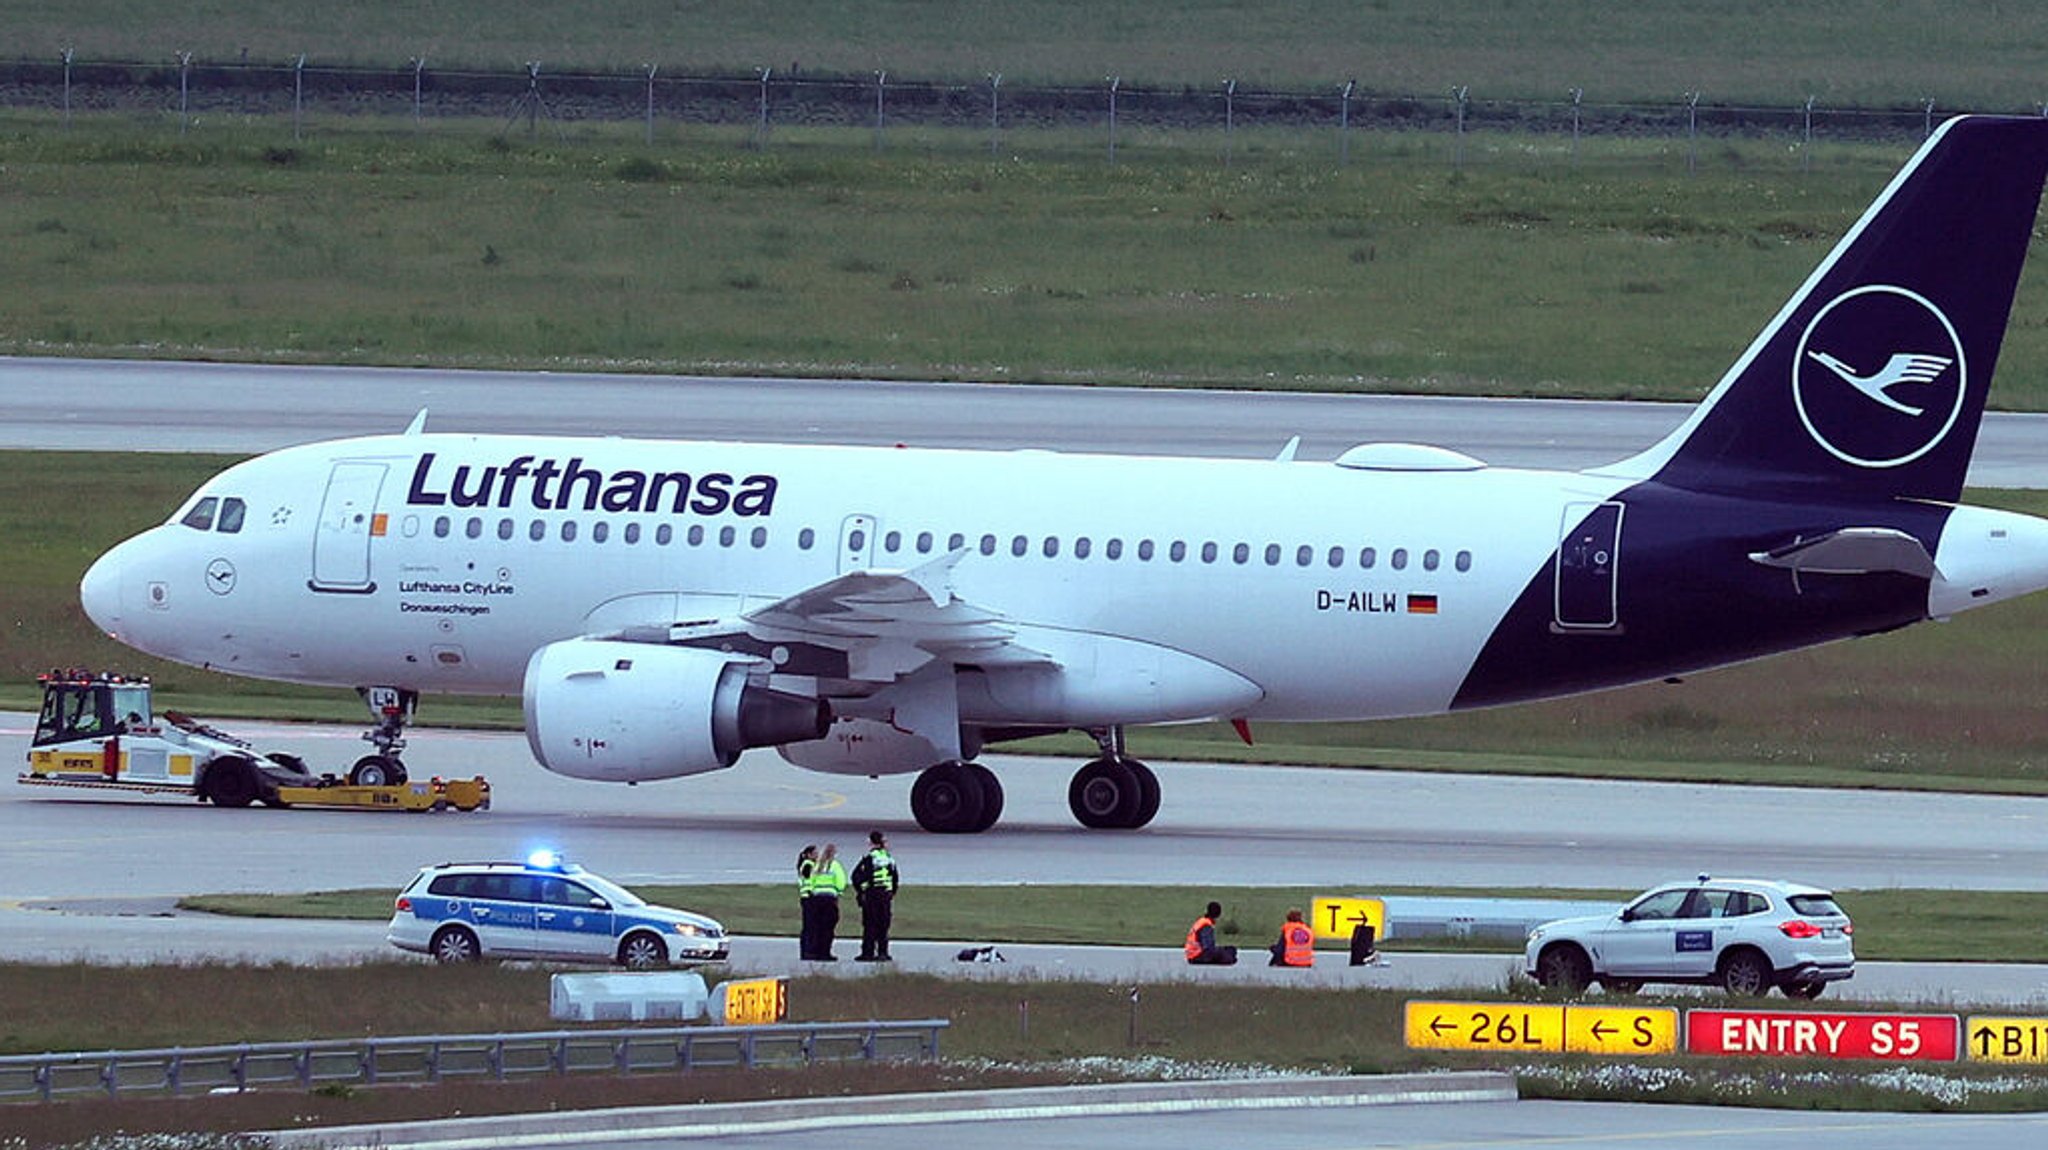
x=1879 y=377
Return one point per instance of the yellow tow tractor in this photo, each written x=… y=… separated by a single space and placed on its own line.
x=98 y=732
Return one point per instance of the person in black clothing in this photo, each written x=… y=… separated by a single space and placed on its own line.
x=875 y=880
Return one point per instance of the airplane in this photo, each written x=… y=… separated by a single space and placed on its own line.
x=662 y=606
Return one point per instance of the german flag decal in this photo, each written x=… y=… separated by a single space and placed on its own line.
x=1422 y=604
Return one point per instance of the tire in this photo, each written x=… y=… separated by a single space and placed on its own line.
x=948 y=799
x=991 y=795
x=232 y=783
x=454 y=944
x=1745 y=974
x=643 y=951
x=1105 y=795
x=1807 y=990
x=1564 y=967
x=376 y=771
x=1621 y=985
x=1148 y=793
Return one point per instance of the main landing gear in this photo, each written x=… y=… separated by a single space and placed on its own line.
x=956 y=798
x=391 y=708
x=1114 y=792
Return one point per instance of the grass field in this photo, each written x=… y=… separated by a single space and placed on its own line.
x=1891 y=925
x=1617 y=277
x=1852 y=52
x=1939 y=706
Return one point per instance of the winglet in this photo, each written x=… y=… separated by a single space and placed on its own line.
x=1287 y=453
x=936 y=577
x=418 y=424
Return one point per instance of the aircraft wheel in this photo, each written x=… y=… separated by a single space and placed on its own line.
x=1105 y=794
x=376 y=771
x=232 y=783
x=1148 y=793
x=947 y=799
x=991 y=795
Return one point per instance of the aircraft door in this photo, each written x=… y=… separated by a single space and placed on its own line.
x=348 y=521
x=1588 y=558
x=856 y=543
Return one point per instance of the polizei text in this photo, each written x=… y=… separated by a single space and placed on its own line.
x=551 y=485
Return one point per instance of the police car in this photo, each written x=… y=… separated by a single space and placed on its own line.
x=545 y=908
x=1744 y=935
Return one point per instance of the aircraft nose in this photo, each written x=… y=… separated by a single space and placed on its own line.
x=100 y=592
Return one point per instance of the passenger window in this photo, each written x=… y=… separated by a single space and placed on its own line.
x=1052 y=547
x=440 y=527
x=1178 y=551
x=696 y=535
x=1429 y=559
x=1272 y=554
x=1114 y=549
x=988 y=545
x=924 y=543
x=474 y=528
x=537 y=530
x=1304 y=555
x=1336 y=557
x=956 y=541
x=725 y=536
x=663 y=534
x=568 y=531
x=1399 y=559
x=759 y=538
x=201 y=515
x=231 y=514
x=1367 y=556
x=1145 y=550
x=1241 y=553
x=1664 y=904
x=600 y=531
x=504 y=529
x=1464 y=561
x=632 y=533
x=856 y=540
x=892 y=542
x=1209 y=552
x=805 y=538
x=1019 y=545
x=1082 y=547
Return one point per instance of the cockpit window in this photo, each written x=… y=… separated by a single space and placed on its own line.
x=201 y=515
x=232 y=512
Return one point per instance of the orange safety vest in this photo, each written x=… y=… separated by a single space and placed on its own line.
x=1193 y=947
x=1299 y=943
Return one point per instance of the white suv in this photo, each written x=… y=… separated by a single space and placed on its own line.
x=544 y=908
x=1745 y=935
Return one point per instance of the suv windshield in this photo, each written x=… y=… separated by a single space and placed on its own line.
x=1817 y=906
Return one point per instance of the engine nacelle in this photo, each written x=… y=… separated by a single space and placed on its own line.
x=856 y=746
x=622 y=712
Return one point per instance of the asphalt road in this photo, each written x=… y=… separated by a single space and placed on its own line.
x=151 y=406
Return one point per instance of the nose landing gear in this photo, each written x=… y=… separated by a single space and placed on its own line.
x=391 y=708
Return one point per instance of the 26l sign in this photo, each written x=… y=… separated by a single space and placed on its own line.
x=1899 y=1037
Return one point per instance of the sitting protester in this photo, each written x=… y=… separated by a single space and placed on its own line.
x=1297 y=945
x=1201 y=947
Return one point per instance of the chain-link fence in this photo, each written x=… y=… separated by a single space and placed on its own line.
x=992 y=112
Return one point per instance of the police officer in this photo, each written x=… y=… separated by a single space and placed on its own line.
x=828 y=881
x=875 y=880
x=806 y=866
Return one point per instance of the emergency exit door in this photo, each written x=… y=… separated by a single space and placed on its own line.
x=856 y=543
x=348 y=521
x=1588 y=562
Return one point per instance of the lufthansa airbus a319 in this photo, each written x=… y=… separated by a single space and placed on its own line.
x=663 y=606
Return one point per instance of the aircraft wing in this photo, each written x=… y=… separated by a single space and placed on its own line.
x=888 y=624
x=1852 y=551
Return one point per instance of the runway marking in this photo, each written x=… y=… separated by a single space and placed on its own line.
x=1658 y=1137
x=827 y=799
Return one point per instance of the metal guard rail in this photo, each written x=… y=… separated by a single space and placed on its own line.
x=432 y=1058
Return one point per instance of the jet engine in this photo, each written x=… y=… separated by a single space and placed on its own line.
x=622 y=712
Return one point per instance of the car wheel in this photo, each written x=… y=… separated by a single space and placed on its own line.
x=1564 y=967
x=455 y=944
x=1746 y=973
x=1622 y=985
x=643 y=952
x=1804 y=989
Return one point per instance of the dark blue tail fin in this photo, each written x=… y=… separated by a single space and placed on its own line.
x=1870 y=382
